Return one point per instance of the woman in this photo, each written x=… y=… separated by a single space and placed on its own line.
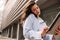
x=34 y=28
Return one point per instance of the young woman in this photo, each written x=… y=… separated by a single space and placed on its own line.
x=34 y=28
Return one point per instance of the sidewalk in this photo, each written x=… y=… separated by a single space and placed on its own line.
x=5 y=38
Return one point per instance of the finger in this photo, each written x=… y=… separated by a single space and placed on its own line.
x=46 y=28
x=59 y=27
x=57 y=31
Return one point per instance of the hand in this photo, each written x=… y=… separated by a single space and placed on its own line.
x=44 y=31
x=57 y=32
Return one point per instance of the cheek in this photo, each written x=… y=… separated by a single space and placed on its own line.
x=34 y=12
x=38 y=10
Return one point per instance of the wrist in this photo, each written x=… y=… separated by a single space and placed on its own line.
x=54 y=36
x=43 y=35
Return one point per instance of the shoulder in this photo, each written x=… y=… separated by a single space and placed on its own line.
x=31 y=17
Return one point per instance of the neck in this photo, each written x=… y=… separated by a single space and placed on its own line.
x=37 y=16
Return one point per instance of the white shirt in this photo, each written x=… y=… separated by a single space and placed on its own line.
x=32 y=28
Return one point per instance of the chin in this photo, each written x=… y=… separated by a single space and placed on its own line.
x=39 y=14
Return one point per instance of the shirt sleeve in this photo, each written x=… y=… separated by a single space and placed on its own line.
x=48 y=37
x=28 y=32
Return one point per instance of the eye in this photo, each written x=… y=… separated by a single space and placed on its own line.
x=37 y=7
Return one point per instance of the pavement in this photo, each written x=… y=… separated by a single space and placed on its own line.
x=6 y=38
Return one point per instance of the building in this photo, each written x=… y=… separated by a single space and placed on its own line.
x=14 y=9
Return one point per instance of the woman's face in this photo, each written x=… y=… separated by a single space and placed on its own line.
x=35 y=9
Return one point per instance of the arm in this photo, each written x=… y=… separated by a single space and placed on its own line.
x=28 y=31
x=45 y=35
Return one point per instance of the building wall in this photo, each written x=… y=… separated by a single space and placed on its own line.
x=13 y=11
x=7 y=8
x=50 y=13
x=0 y=20
x=10 y=23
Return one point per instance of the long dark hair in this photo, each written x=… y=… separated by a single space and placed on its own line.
x=29 y=11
